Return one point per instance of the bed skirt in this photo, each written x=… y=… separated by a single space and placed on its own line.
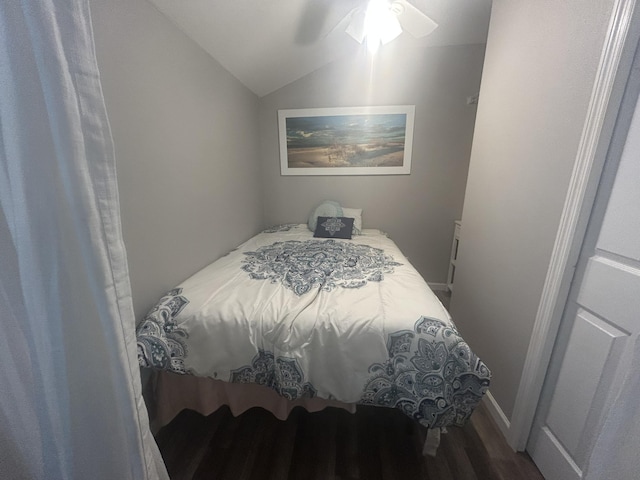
x=174 y=393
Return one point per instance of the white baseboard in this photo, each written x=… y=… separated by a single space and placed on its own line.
x=438 y=287
x=497 y=414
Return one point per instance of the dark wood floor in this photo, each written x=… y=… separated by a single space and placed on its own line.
x=371 y=444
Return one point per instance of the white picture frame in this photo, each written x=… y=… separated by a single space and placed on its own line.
x=369 y=140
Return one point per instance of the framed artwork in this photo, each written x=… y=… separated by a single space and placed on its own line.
x=346 y=141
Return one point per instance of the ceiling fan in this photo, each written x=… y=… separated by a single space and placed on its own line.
x=380 y=21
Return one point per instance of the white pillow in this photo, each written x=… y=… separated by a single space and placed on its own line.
x=328 y=208
x=356 y=214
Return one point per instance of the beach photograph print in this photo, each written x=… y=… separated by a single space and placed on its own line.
x=346 y=141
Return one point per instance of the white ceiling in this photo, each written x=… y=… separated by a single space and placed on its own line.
x=267 y=44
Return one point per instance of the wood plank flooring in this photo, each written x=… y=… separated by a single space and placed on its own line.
x=372 y=444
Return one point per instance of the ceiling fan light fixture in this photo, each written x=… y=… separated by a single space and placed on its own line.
x=397 y=8
x=384 y=20
x=380 y=24
x=376 y=25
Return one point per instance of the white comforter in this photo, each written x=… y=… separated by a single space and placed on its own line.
x=349 y=320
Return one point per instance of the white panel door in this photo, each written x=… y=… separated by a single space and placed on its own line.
x=595 y=338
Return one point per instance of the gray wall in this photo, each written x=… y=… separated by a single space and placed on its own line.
x=417 y=210
x=185 y=134
x=539 y=70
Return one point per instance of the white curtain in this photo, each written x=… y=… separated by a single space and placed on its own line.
x=70 y=400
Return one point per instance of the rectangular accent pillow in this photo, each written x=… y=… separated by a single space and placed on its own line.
x=356 y=214
x=334 y=227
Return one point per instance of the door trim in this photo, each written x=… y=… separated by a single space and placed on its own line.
x=578 y=203
x=496 y=413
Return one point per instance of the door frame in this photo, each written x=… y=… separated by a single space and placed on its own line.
x=606 y=98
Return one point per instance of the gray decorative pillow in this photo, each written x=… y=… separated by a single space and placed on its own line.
x=334 y=227
x=328 y=208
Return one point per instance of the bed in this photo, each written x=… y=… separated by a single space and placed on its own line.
x=297 y=320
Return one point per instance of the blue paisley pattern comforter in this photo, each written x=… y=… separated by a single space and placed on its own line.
x=349 y=320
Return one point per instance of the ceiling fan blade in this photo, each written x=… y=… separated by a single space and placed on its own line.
x=311 y=22
x=355 y=27
x=412 y=19
x=319 y=18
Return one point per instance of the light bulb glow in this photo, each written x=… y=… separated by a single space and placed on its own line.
x=380 y=24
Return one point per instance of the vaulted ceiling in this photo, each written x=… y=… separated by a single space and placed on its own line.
x=268 y=44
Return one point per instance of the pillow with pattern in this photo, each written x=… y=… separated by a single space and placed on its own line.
x=334 y=227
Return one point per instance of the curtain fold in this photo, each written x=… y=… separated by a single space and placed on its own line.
x=70 y=401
